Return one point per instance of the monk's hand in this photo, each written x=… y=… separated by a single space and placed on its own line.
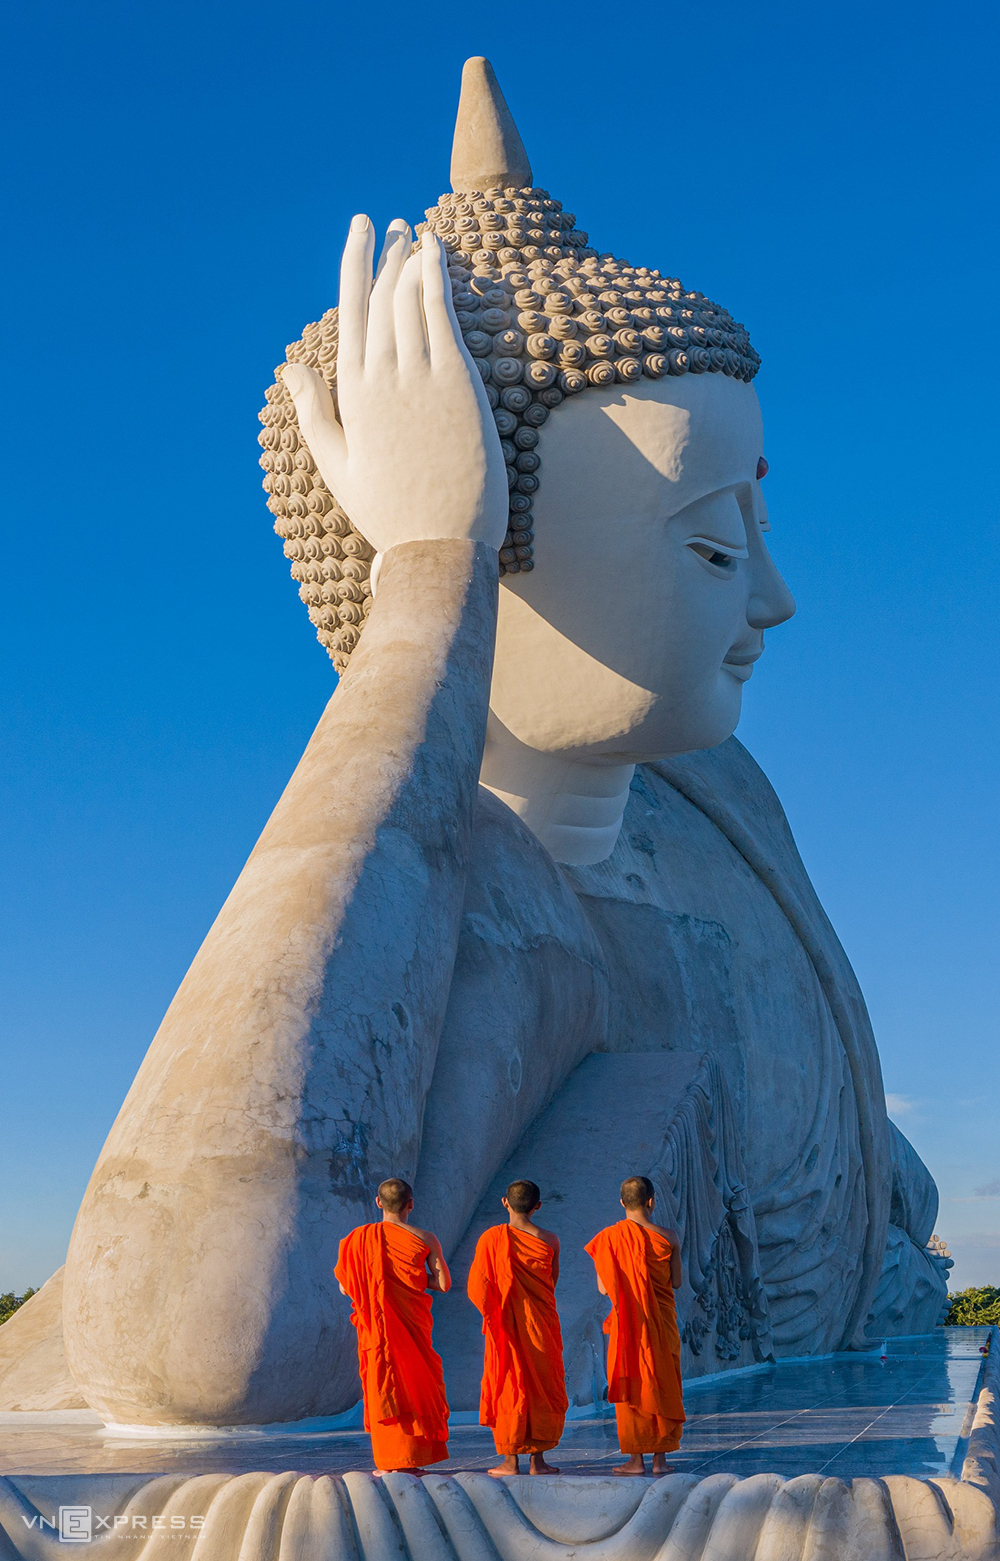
x=414 y=454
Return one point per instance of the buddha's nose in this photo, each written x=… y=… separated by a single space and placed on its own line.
x=771 y=602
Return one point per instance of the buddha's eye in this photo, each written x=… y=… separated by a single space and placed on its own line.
x=762 y=469
x=725 y=562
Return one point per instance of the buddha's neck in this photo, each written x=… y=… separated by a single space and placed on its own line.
x=574 y=806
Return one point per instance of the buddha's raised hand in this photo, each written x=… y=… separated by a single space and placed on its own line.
x=415 y=454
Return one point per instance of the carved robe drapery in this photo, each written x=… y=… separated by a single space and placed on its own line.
x=709 y=939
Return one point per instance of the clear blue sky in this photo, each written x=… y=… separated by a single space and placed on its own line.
x=182 y=181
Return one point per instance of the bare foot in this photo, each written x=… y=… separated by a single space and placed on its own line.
x=510 y=1465
x=379 y=1472
x=661 y=1466
x=635 y=1465
x=539 y=1466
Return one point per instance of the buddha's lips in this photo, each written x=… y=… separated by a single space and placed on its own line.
x=740 y=663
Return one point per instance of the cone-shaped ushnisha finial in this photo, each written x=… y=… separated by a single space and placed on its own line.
x=487 y=152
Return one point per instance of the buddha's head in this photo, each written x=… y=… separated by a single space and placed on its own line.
x=635 y=581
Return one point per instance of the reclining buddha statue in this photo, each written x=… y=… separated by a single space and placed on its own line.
x=526 y=907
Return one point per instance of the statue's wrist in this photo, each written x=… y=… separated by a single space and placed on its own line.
x=484 y=553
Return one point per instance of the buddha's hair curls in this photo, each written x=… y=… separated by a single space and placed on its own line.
x=543 y=317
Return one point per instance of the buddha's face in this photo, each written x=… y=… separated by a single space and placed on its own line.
x=634 y=634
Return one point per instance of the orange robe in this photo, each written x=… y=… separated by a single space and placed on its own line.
x=644 y=1347
x=524 y=1387
x=383 y=1269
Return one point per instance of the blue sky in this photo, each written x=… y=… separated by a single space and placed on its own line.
x=182 y=183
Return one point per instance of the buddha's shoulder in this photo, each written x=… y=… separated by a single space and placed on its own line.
x=715 y=806
x=725 y=783
x=703 y=834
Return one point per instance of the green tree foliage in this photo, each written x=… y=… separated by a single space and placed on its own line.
x=10 y=1302
x=977 y=1307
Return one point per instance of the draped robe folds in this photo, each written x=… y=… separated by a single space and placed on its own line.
x=700 y=932
x=524 y=1390
x=644 y=1347
x=383 y=1269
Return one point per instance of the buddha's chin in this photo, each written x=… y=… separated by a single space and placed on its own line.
x=621 y=724
x=671 y=731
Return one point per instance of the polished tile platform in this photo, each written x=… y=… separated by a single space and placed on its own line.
x=843 y=1416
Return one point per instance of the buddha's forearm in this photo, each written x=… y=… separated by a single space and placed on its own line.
x=289 y=1074
x=344 y=921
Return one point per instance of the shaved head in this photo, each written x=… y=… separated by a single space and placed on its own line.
x=394 y=1194
x=637 y=1191
x=523 y=1196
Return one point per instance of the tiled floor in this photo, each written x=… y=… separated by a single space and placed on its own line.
x=845 y=1415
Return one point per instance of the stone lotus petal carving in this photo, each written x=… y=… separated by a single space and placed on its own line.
x=471 y=1517
x=543 y=315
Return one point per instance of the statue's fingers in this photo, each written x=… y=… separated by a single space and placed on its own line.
x=381 y=339
x=355 y=287
x=397 y=226
x=318 y=425
x=408 y=307
x=443 y=333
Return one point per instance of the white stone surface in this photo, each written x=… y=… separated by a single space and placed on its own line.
x=472 y=1517
x=33 y=1370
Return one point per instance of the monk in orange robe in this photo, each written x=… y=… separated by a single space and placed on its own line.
x=639 y=1267
x=512 y=1282
x=387 y=1269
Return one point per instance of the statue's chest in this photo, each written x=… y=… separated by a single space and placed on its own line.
x=528 y=1002
x=529 y=960
x=700 y=956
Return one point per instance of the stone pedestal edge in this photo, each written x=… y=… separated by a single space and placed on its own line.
x=982 y=1461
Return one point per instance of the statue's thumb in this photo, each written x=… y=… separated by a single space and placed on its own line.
x=317 y=419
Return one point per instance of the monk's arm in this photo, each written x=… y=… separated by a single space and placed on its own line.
x=479 y=1285
x=676 y=1270
x=440 y=1277
x=555 y=1260
x=589 y=1249
x=340 y=1270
